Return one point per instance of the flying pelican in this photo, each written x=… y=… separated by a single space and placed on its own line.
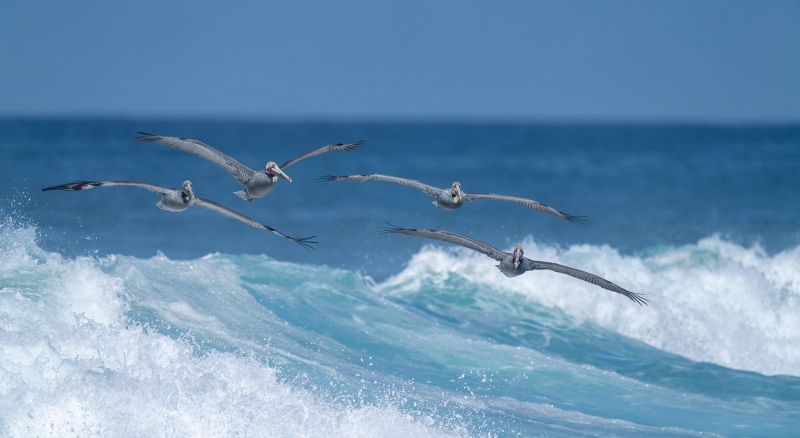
x=257 y=184
x=179 y=200
x=513 y=264
x=453 y=198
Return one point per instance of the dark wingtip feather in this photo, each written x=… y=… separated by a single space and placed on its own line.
x=305 y=242
x=392 y=229
x=354 y=146
x=73 y=186
x=326 y=178
x=151 y=138
x=575 y=220
x=638 y=299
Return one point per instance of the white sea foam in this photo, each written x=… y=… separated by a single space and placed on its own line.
x=713 y=301
x=72 y=364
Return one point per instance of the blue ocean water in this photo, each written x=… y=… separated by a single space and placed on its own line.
x=120 y=319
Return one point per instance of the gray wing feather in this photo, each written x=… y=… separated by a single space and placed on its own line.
x=331 y=147
x=526 y=202
x=430 y=190
x=86 y=185
x=446 y=236
x=585 y=276
x=239 y=171
x=211 y=205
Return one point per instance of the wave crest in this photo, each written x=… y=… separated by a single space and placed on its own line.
x=714 y=301
x=71 y=362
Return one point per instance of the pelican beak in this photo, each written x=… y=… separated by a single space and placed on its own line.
x=456 y=192
x=280 y=173
x=517 y=257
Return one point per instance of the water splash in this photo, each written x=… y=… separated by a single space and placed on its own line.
x=714 y=301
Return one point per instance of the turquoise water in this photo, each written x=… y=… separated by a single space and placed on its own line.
x=126 y=321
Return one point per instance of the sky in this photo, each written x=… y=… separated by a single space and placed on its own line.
x=730 y=62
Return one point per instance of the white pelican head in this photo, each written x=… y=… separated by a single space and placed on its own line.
x=274 y=170
x=187 y=193
x=518 y=254
x=456 y=192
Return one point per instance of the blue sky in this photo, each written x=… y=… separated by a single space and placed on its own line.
x=670 y=61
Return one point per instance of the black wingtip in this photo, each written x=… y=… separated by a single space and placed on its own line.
x=326 y=178
x=352 y=146
x=305 y=242
x=392 y=229
x=638 y=299
x=74 y=186
x=575 y=220
x=144 y=136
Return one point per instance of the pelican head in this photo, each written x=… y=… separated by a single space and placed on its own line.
x=518 y=254
x=187 y=193
x=456 y=192
x=274 y=170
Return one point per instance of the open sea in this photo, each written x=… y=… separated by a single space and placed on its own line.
x=120 y=319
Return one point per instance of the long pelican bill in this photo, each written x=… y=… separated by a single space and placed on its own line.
x=459 y=193
x=518 y=254
x=280 y=173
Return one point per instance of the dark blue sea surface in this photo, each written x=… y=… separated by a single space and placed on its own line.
x=193 y=323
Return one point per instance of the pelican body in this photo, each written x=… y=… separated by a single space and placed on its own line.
x=171 y=200
x=179 y=200
x=257 y=183
x=450 y=199
x=515 y=263
x=453 y=198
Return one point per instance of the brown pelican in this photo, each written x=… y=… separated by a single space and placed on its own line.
x=514 y=263
x=179 y=200
x=257 y=184
x=453 y=198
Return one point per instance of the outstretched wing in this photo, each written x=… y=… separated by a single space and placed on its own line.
x=430 y=190
x=585 y=276
x=526 y=202
x=86 y=185
x=331 y=147
x=210 y=205
x=239 y=171
x=446 y=236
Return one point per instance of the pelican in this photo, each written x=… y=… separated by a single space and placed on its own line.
x=514 y=263
x=453 y=198
x=179 y=200
x=257 y=184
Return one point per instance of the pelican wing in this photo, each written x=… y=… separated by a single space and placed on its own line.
x=430 y=190
x=446 y=236
x=532 y=265
x=526 y=202
x=239 y=171
x=210 y=205
x=331 y=147
x=86 y=185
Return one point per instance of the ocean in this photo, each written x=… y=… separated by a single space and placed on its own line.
x=120 y=319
